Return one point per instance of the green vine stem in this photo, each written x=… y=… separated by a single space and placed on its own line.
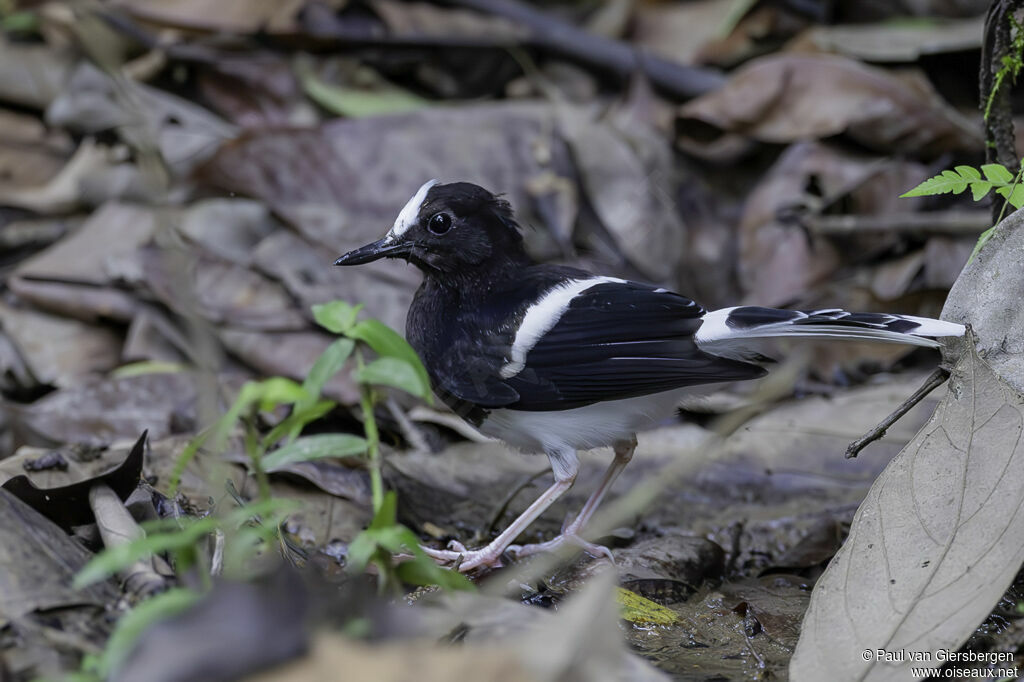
x=366 y=401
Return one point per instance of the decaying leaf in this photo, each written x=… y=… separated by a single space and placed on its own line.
x=779 y=259
x=987 y=296
x=58 y=350
x=99 y=411
x=37 y=562
x=789 y=97
x=679 y=30
x=380 y=161
x=934 y=545
x=895 y=42
x=32 y=75
x=232 y=16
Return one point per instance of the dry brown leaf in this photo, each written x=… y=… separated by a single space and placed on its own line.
x=779 y=260
x=228 y=16
x=89 y=255
x=788 y=97
x=58 y=350
x=32 y=75
x=897 y=42
x=679 y=30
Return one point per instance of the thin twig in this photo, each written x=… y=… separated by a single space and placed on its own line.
x=496 y=516
x=570 y=42
x=970 y=223
x=934 y=380
x=217 y=562
x=413 y=435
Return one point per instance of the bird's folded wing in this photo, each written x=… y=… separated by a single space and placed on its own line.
x=607 y=341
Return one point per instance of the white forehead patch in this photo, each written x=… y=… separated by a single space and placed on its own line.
x=407 y=216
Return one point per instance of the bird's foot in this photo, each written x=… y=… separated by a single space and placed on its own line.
x=566 y=538
x=465 y=560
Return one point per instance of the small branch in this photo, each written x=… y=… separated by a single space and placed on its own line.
x=558 y=37
x=967 y=223
x=409 y=430
x=934 y=380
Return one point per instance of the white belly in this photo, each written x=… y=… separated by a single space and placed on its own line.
x=582 y=428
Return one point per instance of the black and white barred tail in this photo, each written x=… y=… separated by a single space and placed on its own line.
x=729 y=332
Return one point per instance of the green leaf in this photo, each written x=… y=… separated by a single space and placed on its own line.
x=135 y=622
x=948 y=181
x=20 y=22
x=315 y=447
x=360 y=552
x=327 y=365
x=1016 y=197
x=394 y=372
x=336 y=316
x=385 y=98
x=979 y=189
x=296 y=421
x=386 y=342
x=387 y=515
x=997 y=174
x=421 y=570
x=167 y=536
x=113 y=559
x=968 y=172
x=135 y=369
x=1014 y=194
x=280 y=391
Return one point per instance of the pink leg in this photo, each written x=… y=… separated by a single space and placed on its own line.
x=565 y=466
x=571 y=532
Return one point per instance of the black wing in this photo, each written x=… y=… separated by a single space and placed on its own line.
x=615 y=340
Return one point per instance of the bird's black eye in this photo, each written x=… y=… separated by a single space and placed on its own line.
x=440 y=223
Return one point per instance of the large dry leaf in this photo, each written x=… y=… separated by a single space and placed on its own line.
x=895 y=42
x=101 y=411
x=147 y=118
x=91 y=254
x=790 y=97
x=228 y=16
x=341 y=185
x=32 y=75
x=37 y=562
x=678 y=31
x=58 y=350
x=30 y=155
x=779 y=259
x=987 y=296
x=935 y=544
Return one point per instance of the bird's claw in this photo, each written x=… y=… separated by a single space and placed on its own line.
x=566 y=538
x=464 y=560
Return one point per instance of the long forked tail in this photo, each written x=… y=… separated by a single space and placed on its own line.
x=729 y=332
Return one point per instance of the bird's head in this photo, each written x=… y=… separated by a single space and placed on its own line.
x=448 y=230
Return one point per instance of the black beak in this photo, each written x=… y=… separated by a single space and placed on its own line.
x=371 y=252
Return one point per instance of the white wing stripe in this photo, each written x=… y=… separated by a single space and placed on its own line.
x=542 y=316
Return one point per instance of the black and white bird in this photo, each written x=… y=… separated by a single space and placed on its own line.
x=555 y=359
